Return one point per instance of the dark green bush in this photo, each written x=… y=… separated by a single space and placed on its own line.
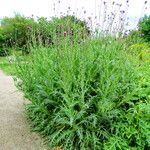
x=70 y=27
x=86 y=96
x=3 y=49
x=18 y=31
x=144 y=27
x=57 y=30
x=134 y=37
x=44 y=32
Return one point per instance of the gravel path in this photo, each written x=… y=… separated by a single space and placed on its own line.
x=14 y=129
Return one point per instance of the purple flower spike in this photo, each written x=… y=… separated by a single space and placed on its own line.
x=122 y=11
x=145 y=2
x=65 y=33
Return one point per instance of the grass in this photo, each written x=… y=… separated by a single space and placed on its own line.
x=7 y=67
x=8 y=64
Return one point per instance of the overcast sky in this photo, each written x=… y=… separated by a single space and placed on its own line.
x=92 y=7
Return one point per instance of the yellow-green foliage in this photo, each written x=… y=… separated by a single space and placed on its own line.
x=142 y=51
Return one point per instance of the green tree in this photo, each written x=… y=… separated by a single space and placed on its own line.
x=69 y=27
x=17 y=31
x=144 y=27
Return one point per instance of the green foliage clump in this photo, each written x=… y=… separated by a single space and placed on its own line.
x=134 y=37
x=17 y=31
x=55 y=31
x=20 y=32
x=3 y=50
x=86 y=96
x=72 y=27
x=44 y=32
x=144 y=28
x=142 y=51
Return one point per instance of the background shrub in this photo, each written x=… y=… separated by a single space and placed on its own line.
x=144 y=27
x=71 y=27
x=142 y=51
x=134 y=37
x=55 y=31
x=44 y=32
x=17 y=31
x=3 y=49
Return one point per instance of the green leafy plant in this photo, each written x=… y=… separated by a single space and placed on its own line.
x=82 y=96
x=134 y=37
x=20 y=32
x=55 y=31
x=17 y=31
x=3 y=50
x=70 y=26
x=140 y=51
x=144 y=27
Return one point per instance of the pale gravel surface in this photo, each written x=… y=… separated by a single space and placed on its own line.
x=14 y=129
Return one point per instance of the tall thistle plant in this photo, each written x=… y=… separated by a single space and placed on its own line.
x=81 y=95
x=85 y=95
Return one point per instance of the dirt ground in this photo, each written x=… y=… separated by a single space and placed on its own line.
x=14 y=129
